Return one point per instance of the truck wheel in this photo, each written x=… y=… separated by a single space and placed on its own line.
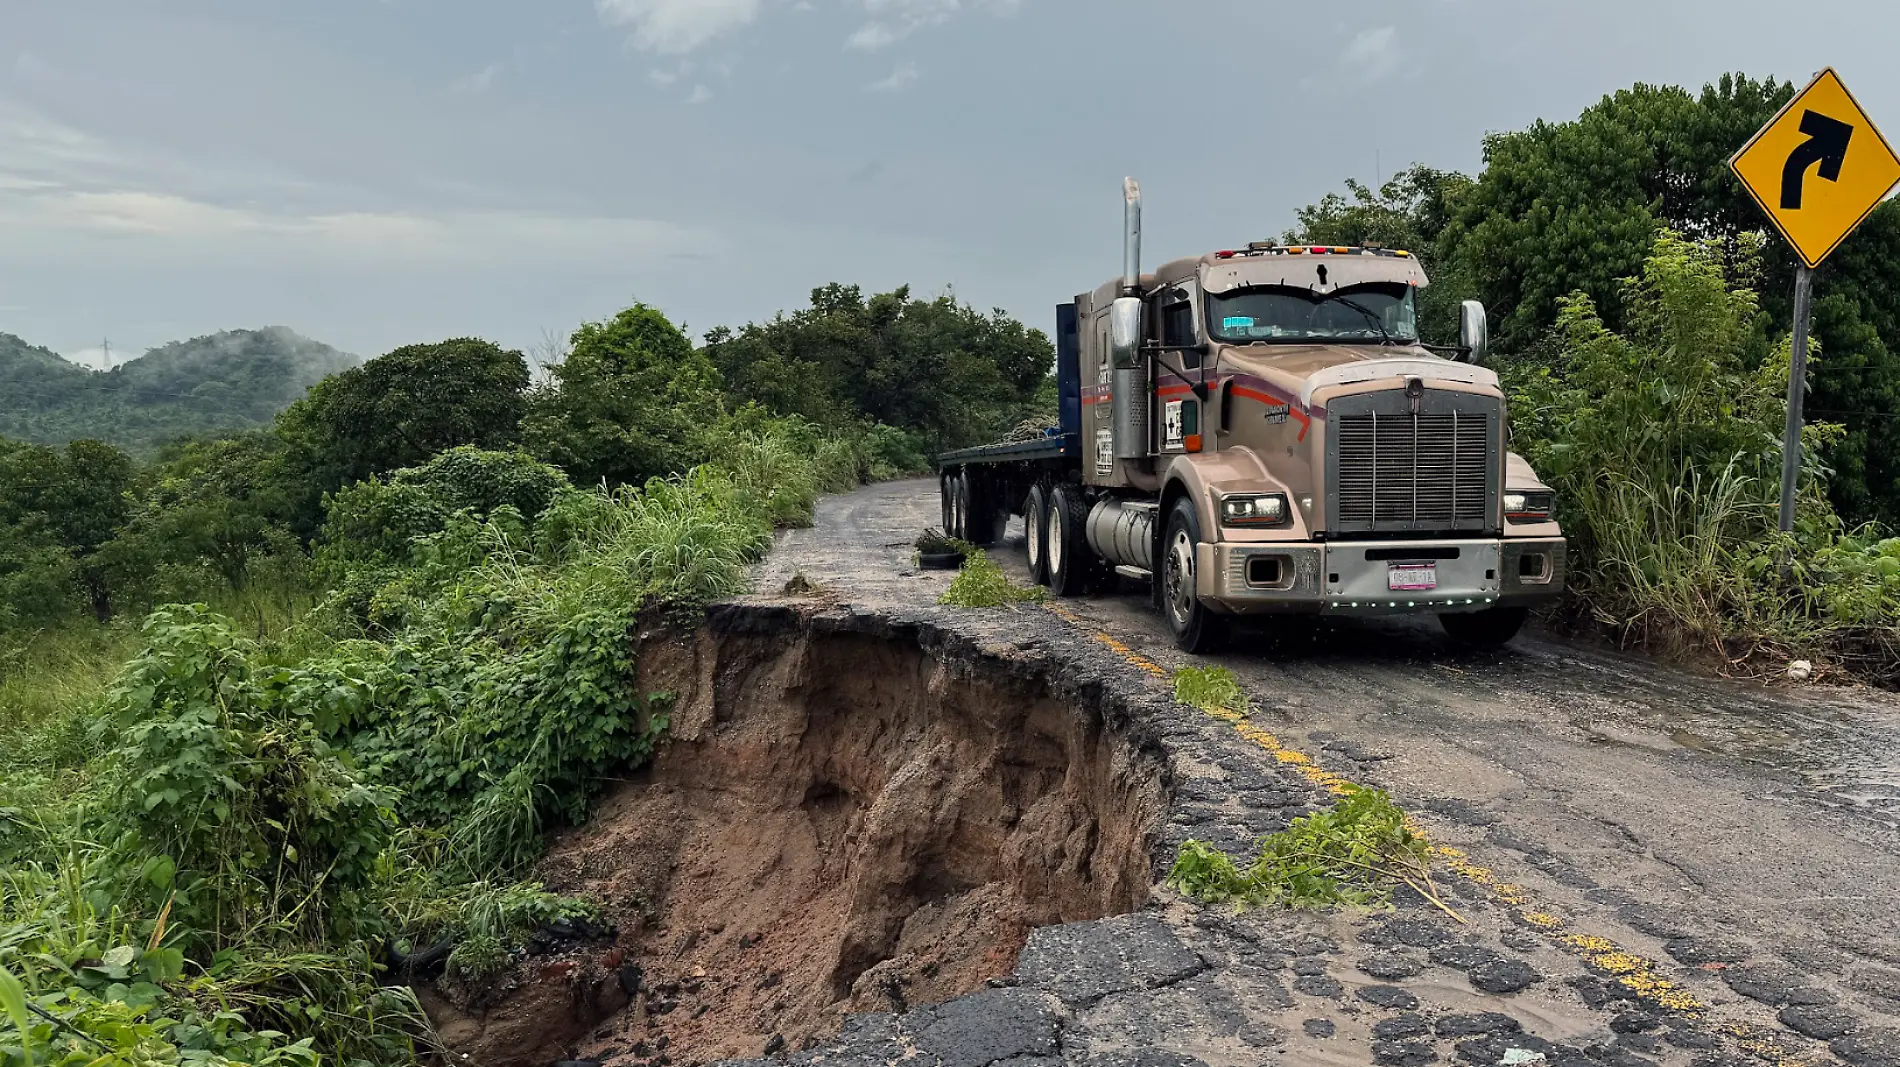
x=985 y=520
x=1071 y=560
x=959 y=506
x=1490 y=628
x=946 y=490
x=1196 y=628
x=1036 y=533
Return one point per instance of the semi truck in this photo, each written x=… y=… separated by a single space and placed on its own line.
x=1260 y=431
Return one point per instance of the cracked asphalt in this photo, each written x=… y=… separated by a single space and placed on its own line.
x=1656 y=867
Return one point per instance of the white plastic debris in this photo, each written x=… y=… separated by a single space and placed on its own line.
x=1800 y=671
x=1521 y=1057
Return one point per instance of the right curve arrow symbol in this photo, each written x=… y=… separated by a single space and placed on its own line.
x=1826 y=145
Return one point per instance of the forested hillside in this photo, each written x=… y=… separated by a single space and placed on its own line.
x=235 y=380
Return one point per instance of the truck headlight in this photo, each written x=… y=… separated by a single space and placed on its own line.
x=1258 y=509
x=1528 y=505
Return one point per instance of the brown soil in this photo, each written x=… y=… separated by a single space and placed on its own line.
x=841 y=823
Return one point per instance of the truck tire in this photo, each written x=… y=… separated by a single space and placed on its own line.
x=1197 y=629
x=1490 y=628
x=959 y=505
x=1036 y=533
x=946 y=489
x=986 y=519
x=1072 y=563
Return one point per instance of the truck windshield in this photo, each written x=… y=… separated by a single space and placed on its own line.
x=1380 y=312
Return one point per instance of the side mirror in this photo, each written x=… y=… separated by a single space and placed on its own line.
x=1474 y=332
x=1124 y=332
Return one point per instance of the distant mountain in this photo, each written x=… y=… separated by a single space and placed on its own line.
x=228 y=381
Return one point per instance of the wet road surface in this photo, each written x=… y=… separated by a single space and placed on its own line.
x=1680 y=811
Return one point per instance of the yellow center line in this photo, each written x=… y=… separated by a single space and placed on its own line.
x=1634 y=973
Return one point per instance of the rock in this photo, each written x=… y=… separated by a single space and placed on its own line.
x=1388 y=996
x=1501 y=976
x=1597 y=992
x=630 y=975
x=1635 y=1022
x=1869 y=1048
x=1390 y=966
x=1699 y=950
x=1418 y=933
x=1319 y=1027
x=1800 y=671
x=1402 y=1054
x=1766 y=982
x=990 y=1025
x=1822 y=1022
x=1467 y=1024
x=1084 y=962
x=1682 y=1035
x=1461 y=957
x=1318 y=985
x=1493 y=1049
x=1409 y=1024
x=1260 y=1035
x=774 y=1044
x=1308 y=966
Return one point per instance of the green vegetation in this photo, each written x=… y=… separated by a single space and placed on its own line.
x=387 y=643
x=1211 y=689
x=1353 y=853
x=1642 y=323
x=980 y=583
x=222 y=383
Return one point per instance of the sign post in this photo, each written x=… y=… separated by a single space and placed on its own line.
x=1817 y=169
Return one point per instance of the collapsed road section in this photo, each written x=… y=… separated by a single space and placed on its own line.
x=848 y=818
x=938 y=837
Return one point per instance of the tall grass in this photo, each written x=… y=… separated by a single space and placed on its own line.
x=1664 y=445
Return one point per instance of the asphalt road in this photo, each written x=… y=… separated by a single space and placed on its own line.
x=1745 y=831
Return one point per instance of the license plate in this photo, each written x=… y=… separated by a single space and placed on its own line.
x=1412 y=577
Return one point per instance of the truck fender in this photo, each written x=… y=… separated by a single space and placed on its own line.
x=1198 y=477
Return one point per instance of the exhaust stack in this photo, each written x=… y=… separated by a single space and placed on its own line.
x=1131 y=238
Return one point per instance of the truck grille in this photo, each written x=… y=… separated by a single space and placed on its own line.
x=1399 y=472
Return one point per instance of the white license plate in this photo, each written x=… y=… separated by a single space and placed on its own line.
x=1412 y=577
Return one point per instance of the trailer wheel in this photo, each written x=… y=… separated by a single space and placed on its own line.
x=959 y=506
x=1197 y=629
x=1072 y=562
x=946 y=491
x=985 y=519
x=1490 y=628
x=1036 y=533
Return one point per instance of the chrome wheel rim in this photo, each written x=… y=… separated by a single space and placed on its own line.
x=1055 y=540
x=1178 y=579
x=1033 y=523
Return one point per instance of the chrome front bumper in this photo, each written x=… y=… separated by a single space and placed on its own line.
x=1352 y=578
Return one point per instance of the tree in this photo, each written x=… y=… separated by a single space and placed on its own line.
x=76 y=498
x=400 y=409
x=632 y=400
x=1409 y=212
x=936 y=367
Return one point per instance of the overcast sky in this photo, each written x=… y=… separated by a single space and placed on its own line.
x=379 y=172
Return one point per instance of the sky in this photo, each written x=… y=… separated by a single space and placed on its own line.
x=373 y=173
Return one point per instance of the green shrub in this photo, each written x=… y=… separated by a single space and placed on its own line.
x=980 y=583
x=1353 y=853
x=1210 y=689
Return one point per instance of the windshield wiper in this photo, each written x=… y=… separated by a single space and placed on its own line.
x=1371 y=317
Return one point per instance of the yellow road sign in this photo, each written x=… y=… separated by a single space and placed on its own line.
x=1818 y=168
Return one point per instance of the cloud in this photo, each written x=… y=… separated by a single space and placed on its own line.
x=1373 y=52
x=675 y=27
x=701 y=94
x=902 y=78
x=893 y=20
x=478 y=82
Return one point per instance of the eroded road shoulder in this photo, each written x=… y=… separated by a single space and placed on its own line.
x=1640 y=887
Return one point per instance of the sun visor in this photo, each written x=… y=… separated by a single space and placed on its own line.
x=1303 y=272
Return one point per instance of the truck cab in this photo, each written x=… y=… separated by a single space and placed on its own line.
x=1261 y=430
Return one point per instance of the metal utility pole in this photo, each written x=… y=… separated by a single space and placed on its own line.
x=1797 y=392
